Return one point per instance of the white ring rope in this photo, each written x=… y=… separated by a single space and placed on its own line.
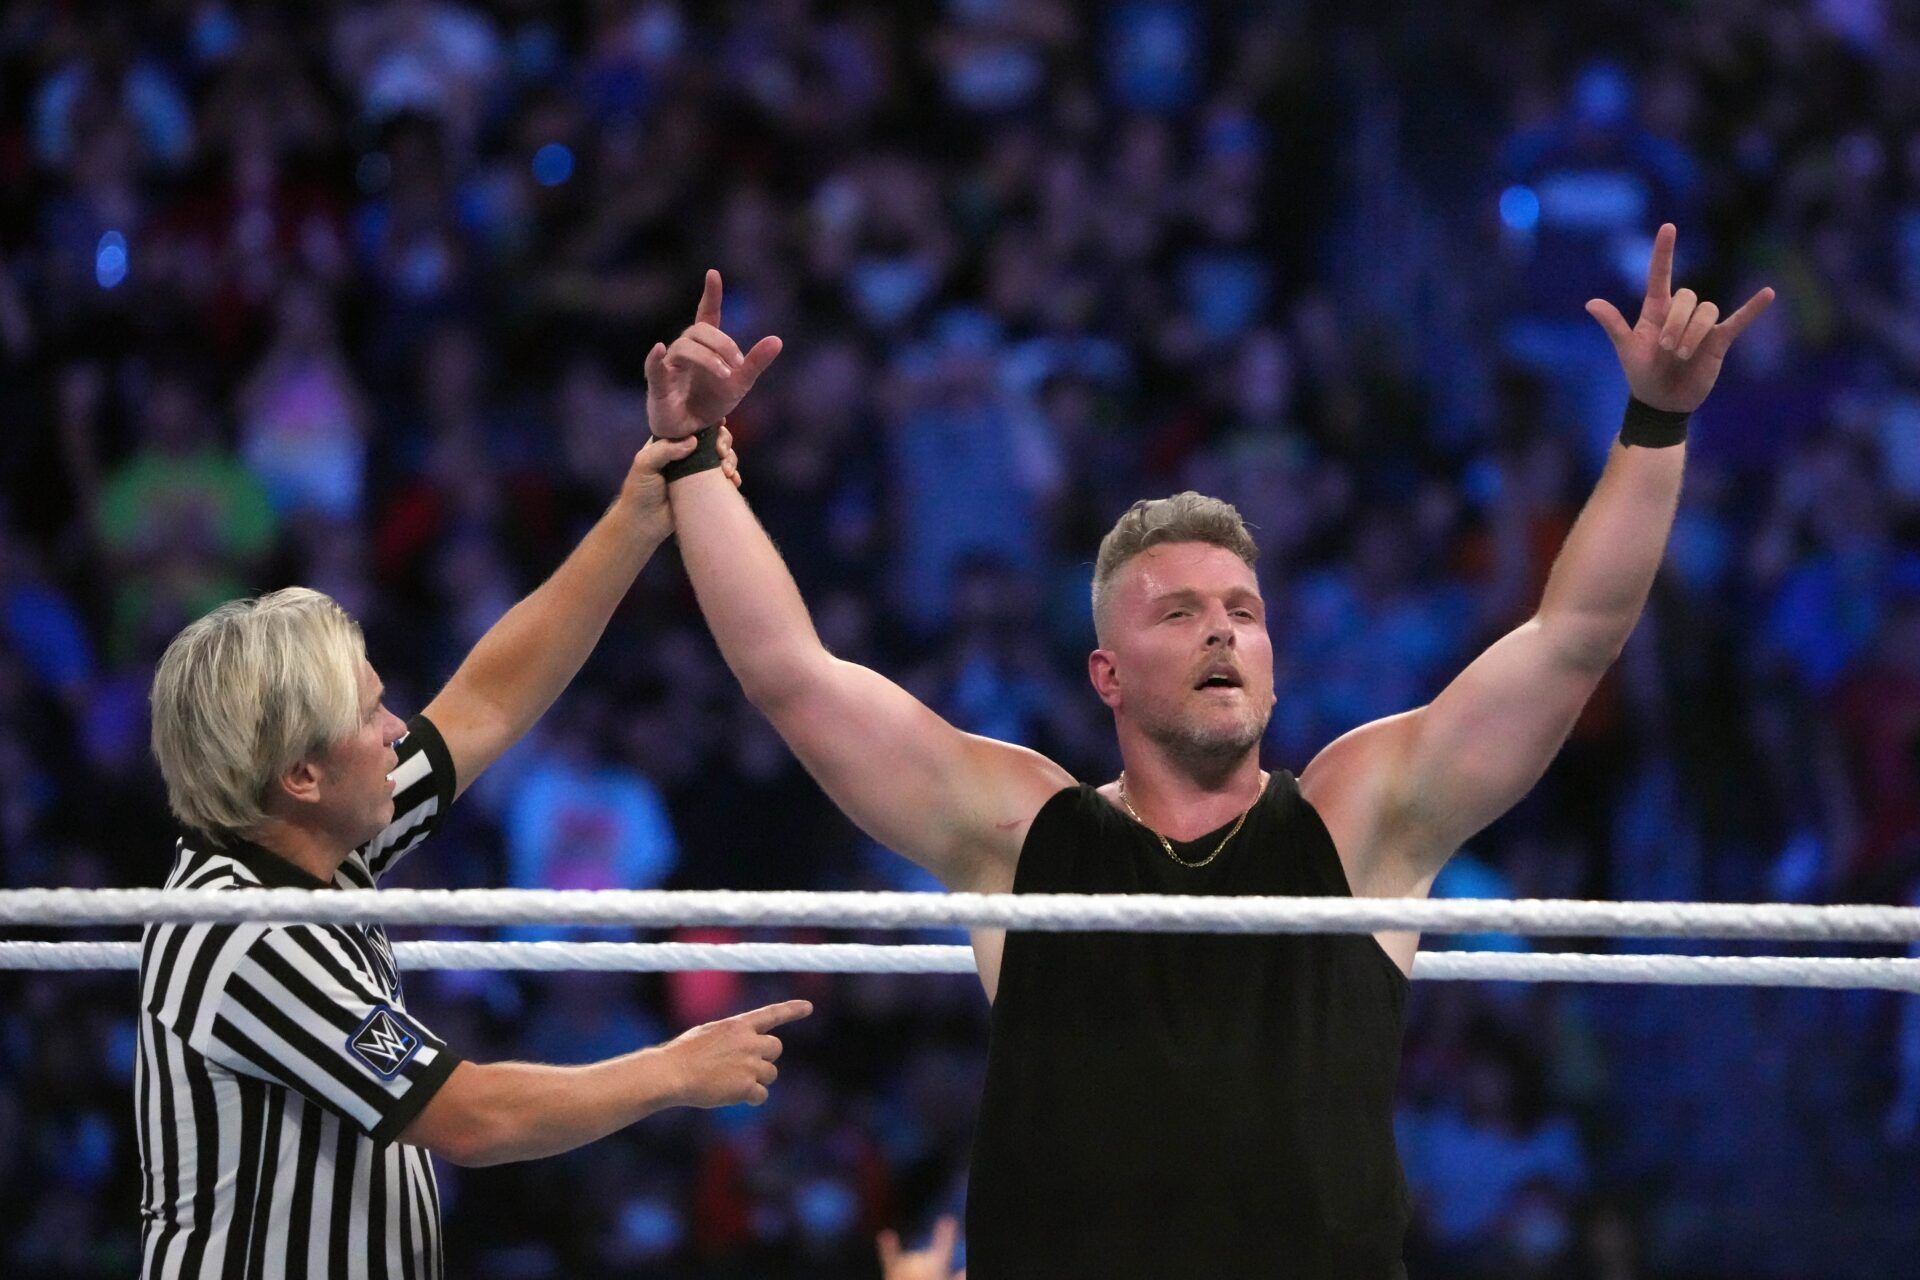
x=562 y=957
x=1890 y=974
x=1131 y=913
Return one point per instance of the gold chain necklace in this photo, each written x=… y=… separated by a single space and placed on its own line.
x=1166 y=844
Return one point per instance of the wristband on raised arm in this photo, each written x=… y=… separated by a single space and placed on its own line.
x=1651 y=428
x=705 y=455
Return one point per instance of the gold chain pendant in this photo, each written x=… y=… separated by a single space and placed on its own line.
x=1168 y=845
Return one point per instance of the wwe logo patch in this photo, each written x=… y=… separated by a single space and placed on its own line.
x=384 y=1042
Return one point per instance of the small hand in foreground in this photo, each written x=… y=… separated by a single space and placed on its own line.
x=934 y=1262
x=1672 y=353
x=720 y=1063
x=700 y=378
x=645 y=489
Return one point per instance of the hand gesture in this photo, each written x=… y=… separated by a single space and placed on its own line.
x=700 y=378
x=720 y=1063
x=934 y=1262
x=1672 y=354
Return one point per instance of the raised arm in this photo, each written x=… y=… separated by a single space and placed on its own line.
x=523 y=662
x=1401 y=794
x=956 y=803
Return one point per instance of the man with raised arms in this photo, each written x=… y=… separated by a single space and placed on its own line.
x=1175 y=1105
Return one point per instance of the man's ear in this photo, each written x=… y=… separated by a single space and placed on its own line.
x=1104 y=671
x=300 y=784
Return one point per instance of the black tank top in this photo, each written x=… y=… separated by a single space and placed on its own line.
x=1188 y=1105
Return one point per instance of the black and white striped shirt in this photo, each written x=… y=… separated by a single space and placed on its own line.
x=276 y=1066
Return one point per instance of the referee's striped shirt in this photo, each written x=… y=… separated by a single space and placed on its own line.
x=276 y=1066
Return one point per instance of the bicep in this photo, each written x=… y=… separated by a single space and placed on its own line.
x=1416 y=786
x=1490 y=735
x=956 y=803
x=476 y=732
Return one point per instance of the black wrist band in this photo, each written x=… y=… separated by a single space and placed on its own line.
x=1652 y=428
x=705 y=455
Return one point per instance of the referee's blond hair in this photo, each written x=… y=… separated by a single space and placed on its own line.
x=246 y=693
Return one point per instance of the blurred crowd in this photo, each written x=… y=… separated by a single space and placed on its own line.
x=356 y=294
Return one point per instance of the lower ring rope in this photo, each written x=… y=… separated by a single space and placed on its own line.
x=1882 y=973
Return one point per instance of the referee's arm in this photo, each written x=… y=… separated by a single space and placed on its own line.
x=526 y=659
x=493 y=1113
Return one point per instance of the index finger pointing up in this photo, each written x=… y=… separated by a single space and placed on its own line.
x=773 y=1015
x=708 y=312
x=1659 y=267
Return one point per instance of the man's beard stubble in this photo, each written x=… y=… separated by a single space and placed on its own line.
x=1209 y=750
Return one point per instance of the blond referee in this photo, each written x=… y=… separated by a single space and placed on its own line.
x=286 y=1098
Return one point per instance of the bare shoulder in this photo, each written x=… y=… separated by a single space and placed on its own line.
x=1354 y=785
x=1012 y=784
x=1358 y=765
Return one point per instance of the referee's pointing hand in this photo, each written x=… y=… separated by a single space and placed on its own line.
x=720 y=1063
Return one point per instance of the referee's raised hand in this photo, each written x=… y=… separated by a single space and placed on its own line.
x=720 y=1063
x=645 y=489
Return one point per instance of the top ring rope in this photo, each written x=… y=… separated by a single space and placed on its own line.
x=1128 y=913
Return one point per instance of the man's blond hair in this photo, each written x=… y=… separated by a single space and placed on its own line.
x=1185 y=517
x=246 y=693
